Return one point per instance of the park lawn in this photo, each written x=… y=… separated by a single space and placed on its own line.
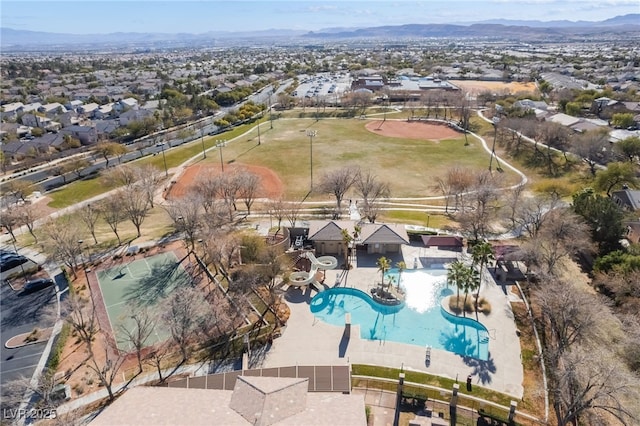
x=429 y=379
x=433 y=220
x=77 y=191
x=411 y=167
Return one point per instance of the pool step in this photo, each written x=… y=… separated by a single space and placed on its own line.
x=484 y=340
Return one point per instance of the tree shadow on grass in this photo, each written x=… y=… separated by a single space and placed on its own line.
x=162 y=279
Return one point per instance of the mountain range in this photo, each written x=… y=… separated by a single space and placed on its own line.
x=15 y=40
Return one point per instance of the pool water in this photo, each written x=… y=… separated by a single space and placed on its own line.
x=419 y=321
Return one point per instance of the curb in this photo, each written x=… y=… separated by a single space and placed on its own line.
x=20 y=338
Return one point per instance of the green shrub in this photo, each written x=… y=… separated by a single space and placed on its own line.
x=56 y=351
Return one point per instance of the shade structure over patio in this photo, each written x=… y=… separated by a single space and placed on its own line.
x=448 y=242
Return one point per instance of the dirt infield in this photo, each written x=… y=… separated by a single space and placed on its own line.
x=270 y=184
x=412 y=130
x=475 y=86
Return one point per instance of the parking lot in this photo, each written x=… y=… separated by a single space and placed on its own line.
x=323 y=87
x=22 y=312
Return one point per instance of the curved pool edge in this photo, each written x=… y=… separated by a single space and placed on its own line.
x=458 y=319
x=379 y=307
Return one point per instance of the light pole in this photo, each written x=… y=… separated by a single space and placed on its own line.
x=164 y=160
x=270 y=111
x=312 y=134
x=86 y=272
x=219 y=145
x=204 y=152
x=258 y=132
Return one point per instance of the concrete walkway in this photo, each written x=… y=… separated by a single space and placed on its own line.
x=307 y=340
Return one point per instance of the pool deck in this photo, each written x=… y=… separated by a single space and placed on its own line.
x=309 y=341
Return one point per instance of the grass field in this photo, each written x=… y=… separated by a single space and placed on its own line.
x=142 y=283
x=411 y=167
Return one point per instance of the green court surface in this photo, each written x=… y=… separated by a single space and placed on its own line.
x=139 y=284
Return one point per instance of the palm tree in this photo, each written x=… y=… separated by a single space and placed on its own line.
x=481 y=254
x=347 y=239
x=455 y=274
x=473 y=281
x=401 y=267
x=383 y=266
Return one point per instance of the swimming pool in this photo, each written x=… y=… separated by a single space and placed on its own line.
x=419 y=321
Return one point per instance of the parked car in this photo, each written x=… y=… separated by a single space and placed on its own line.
x=37 y=284
x=11 y=263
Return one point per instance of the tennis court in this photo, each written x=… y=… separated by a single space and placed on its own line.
x=133 y=286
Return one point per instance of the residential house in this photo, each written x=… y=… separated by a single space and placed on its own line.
x=626 y=199
x=85 y=134
x=564 y=119
x=125 y=104
x=105 y=111
x=12 y=110
x=50 y=110
x=134 y=115
x=105 y=128
x=69 y=118
x=34 y=120
x=73 y=105
x=88 y=109
x=31 y=107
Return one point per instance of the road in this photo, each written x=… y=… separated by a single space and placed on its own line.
x=21 y=314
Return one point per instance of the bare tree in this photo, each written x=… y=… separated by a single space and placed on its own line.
x=372 y=191
x=79 y=312
x=293 y=211
x=207 y=186
x=561 y=236
x=277 y=209
x=483 y=206
x=512 y=201
x=223 y=250
x=186 y=314
x=17 y=189
x=111 y=211
x=30 y=214
x=530 y=212
x=186 y=216
x=149 y=179
x=571 y=316
x=107 y=371
x=593 y=147
x=14 y=391
x=135 y=205
x=62 y=242
x=89 y=216
x=141 y=325
x=338 y=183
x=123 y=175
x=159 y=356
x=249 y=185
x=588 y=383
x=11 y=219
x=456 y=183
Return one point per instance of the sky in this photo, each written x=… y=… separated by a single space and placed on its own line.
x=144 y=16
